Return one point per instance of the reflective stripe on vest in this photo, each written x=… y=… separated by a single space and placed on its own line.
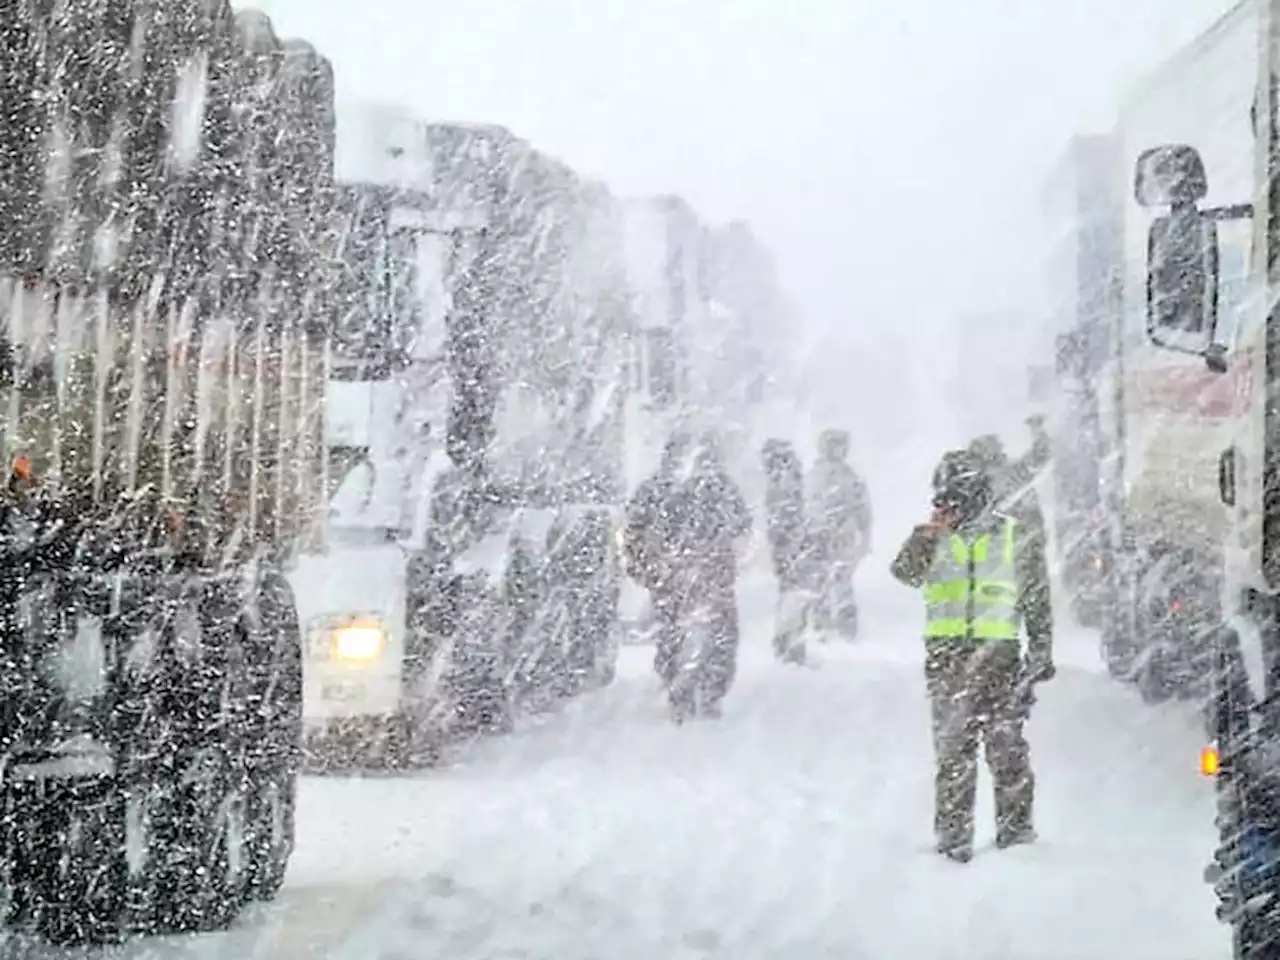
x=972 y=591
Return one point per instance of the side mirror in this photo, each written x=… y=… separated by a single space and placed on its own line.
x=1182 y=280
x=1170 y=175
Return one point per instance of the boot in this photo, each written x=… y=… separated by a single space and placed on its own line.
x=958 y=852
x=1015 y=836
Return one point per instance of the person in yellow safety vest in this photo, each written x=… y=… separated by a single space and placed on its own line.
x=984 y=580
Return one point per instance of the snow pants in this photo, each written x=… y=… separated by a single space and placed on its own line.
x=791 y=617
x=975 y=692
x=666 y=616
x=835 y=607
x=721 y=666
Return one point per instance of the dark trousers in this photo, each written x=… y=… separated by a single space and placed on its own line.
x=976 y=699
x=666 y=615
x=701 y=599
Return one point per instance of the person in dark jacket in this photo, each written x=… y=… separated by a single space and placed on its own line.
x=648 y=545
x=711 y=517
x=984 y=579
x=787 y=529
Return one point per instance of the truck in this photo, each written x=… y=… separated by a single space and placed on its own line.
x=164 y=285
x=476 y=402
x=1143 y=423
x=536 y=434
x=387 y=394
x=1077 y=393
x=1195 y=333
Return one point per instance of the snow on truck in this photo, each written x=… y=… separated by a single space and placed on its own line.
x=1143 y=421
x=162 y=289
x=1186 y=386
x=477 y=434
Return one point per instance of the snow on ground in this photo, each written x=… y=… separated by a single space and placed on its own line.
x=798 y=826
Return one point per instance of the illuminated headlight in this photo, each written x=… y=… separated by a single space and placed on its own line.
x=350 y=640
x=358 y=642
x=619 y=538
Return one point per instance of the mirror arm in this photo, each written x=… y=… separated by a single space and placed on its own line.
x=1235 y=211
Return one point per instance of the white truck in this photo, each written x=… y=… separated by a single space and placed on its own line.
x=388 y=394
x=477 y=398
x=1147 y=421
x=1196 y=308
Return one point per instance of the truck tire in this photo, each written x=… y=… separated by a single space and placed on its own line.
x=1116 y=646
x=150 y=840
x=208 y=875
x=1152 y=677
x=272 y=633
x=62 y=836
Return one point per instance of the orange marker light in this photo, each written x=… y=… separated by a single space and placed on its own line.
x=1210 y=762
x=22 y=466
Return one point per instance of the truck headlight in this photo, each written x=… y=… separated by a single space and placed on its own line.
x=357 y=642
x=349 y=638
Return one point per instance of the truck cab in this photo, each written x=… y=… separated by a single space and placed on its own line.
x=387 y=396
x=1208 y=264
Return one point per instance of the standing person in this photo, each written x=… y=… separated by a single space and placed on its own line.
x=710 y=516
x=984 y=579
x=1014 y=479
x=648 y=545
x=839 y=510
x=788 y=545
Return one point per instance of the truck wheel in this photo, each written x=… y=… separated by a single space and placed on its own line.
x=211 y=871
x=66 y=874
x=270 y=822
x=1116 y=651
x=213 y=678
x=151 y=822
x=272 y=634
x=95 y=861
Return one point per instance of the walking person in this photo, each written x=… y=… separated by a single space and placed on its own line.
x=787 y=528
x=839 y=512
x=649 y=545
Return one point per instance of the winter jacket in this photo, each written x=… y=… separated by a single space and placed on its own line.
x=839 y=510
x=710 y=516
x=912 y=564
x=647 y=538
x=786 y=523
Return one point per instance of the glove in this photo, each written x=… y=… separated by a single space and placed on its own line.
x=1035 y=670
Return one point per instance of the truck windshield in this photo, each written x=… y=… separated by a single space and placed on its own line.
x=376 y=299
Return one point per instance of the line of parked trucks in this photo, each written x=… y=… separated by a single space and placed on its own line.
x=318 y=423
x=1164 y=281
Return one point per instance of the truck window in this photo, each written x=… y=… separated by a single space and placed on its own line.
x=363 y=302
x=378 y=302
x=1233 y=265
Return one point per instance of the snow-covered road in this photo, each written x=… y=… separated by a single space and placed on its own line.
x=798 y=826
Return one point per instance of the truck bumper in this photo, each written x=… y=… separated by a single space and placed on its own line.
x=397 y=741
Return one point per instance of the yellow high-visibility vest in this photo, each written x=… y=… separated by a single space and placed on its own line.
x=972 y=590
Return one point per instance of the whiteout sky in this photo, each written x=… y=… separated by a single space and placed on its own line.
x=889 y=152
